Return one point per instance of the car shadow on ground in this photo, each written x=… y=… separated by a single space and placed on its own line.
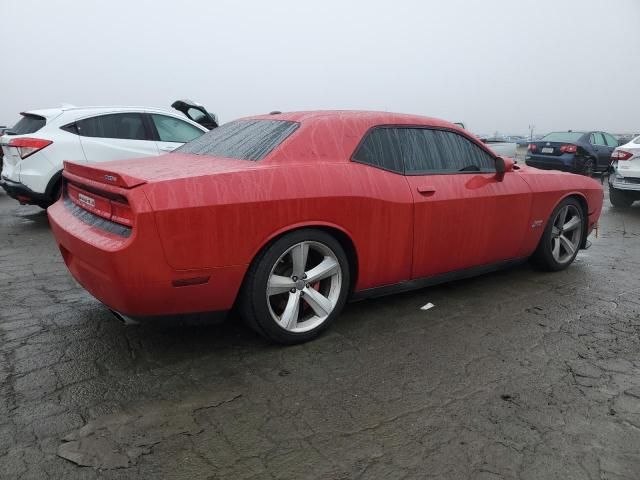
x=168 y=341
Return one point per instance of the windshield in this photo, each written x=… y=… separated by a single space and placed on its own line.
x=242 y=139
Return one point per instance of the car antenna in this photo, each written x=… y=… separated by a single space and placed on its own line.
x=275 y=112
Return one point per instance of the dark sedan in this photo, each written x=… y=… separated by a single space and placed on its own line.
x=576 y=152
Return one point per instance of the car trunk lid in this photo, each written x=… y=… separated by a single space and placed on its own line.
x=131 y=173
x=631 y=166
x=551 y=148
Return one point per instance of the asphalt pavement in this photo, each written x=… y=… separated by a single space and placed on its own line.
x=518 y=374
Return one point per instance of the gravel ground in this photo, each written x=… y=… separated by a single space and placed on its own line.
x=517 y=374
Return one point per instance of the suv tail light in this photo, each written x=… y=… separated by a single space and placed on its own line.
x=28 y=146
x=532 y=147
x=621 y=155
x=568 y=148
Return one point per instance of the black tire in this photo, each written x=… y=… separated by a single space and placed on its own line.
x=258 y=311
x=620 y=199
x=588 y=167
x=56 y=193
x=543 y=257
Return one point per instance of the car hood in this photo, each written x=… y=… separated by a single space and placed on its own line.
x=132 y=172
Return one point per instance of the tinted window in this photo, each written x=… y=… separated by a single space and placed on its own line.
x=381 y=148
x=242 y=139
x=611 y=141
x=597 y=139
x=563 y=137
x=171 y=129
x=118 y=125
x=636 y=140
x=28 y=124
x=430 y=151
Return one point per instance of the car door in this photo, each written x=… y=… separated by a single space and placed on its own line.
x=601 y=149
x=171 y=132
x=115 y=136
x=464 y=214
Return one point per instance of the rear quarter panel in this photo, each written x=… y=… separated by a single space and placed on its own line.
x=225 y=219
x=549 y=189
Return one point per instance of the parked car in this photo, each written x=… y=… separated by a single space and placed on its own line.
x=624 y=180
x=36 y=146
x=2 y=130
x=575 y=152
x=501 y=146
x=287 y=216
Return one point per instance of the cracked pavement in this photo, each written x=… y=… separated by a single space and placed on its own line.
x=518 y=374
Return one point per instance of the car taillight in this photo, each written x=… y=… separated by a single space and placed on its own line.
x=532 y=147
x=115 y=210
x=568 y=148
x=621 y=155
x=28 y=146
x=121 y=213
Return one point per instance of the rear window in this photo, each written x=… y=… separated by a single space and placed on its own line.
x=242 y=139
x=28 y=124
x=563 y=137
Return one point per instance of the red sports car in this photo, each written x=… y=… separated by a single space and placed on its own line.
x=286 y=216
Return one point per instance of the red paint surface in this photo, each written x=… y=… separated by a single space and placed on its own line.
x=197 y=217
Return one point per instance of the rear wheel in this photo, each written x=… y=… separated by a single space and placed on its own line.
x=296 y=287
x=562 y=237
x=620 y=199
x=588 y=167
x=56 y=193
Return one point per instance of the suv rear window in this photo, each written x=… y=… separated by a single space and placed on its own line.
x=242 y=139
x=28 y=124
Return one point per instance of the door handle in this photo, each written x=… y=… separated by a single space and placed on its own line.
x=167 y=149
x=426 y=190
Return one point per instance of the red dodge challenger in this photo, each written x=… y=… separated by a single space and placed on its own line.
x=286 y=216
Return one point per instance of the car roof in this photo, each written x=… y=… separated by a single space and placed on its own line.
x=362 y=116
x=91 y=110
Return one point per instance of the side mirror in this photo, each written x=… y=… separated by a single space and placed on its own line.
x=503 y=165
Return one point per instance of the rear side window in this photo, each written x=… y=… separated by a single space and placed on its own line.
x=28 y=124
x=128 y=126
x=381 y=148
x=440 y=151
x=242 y=139
x=171 y=129
x=597 y=139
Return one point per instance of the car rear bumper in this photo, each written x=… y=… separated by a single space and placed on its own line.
x=548 y=162
x=129 y=273
x=23 y=194
x=631 y=184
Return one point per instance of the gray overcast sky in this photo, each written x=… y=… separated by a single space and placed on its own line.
x=497 y=65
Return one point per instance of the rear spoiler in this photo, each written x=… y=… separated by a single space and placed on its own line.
x=97 y=174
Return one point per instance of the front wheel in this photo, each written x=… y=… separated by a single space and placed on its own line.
x=296 y=287
x=562 y=237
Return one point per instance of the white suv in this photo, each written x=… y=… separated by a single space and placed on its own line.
x=624 y=181
x=35 y=148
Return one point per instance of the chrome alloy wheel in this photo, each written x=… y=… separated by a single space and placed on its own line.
x=304 y=286
x=566 y=234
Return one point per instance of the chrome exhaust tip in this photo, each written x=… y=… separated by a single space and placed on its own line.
x=124 y=319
